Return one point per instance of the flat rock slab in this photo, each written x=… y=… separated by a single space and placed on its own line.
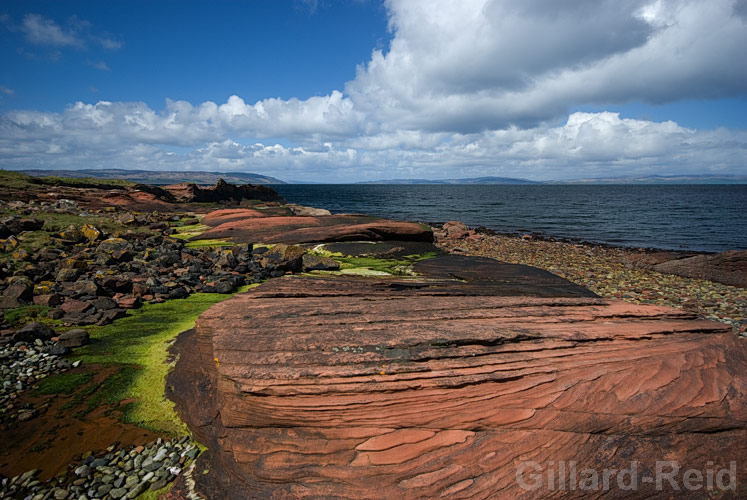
x=218 y=217
x=355 y=388
x=490 y=277
x=382 y=249
x=308 y=229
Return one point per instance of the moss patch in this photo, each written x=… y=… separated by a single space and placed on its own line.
x=139 y=344
x=374 y=266
x=21 y=315
x=65 y=383
x=189 y=231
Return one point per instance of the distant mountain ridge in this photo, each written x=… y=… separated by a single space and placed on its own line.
x=660 y=179
x=160 y=177
x=647 y=179
x=471 y=180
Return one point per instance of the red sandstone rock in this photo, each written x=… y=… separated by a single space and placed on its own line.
x=328 y=388
x=305 y=229
x=75 y=306
x=729 y=268
x=218 y=217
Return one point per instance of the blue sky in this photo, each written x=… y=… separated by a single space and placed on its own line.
x=361 y=90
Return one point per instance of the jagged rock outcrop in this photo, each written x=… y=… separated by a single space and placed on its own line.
x=444 y=387
x=188 y=192
x=307 y=229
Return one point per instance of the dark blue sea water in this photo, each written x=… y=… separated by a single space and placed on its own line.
x=683 y=217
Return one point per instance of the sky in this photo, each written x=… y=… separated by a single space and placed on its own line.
x=360 y=90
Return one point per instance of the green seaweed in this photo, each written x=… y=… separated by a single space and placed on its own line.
x=374 y=266
x=139 y=342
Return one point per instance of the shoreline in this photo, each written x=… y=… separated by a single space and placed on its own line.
x=609 y=271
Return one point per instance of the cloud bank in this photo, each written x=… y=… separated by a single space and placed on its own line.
x=478 y=87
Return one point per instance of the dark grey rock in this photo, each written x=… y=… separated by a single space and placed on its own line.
x=74 y=338
x=32 y=331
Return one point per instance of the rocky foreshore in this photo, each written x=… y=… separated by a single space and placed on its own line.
x=119 y=473
x=367 y=362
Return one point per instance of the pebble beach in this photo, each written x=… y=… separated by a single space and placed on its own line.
x=609 y=272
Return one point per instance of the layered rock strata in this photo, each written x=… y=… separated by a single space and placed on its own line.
x=447 y=387
x=310 y=229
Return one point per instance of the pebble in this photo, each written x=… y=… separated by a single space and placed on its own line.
x=94 y=477
x=22 y=365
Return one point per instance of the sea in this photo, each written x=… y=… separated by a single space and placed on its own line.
x=702 y=218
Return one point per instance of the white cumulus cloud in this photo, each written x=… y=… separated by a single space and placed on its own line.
x=470 y=88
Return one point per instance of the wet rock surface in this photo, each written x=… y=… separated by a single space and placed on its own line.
x=443 y=386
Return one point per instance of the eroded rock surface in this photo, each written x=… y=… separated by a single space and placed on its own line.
x=355 y=388
x=309 y=229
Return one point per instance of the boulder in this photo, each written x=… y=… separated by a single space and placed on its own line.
x=87 y=288
x=112 y=246
x=226 y=260
x=104 y=304
x=74 y=338
x=32 y=331
x=9 y=303
x=111 y=315
x=20 y=290
x=307 y=211
x=67 y=274
x=178 y=293
x=72 y=235
x=319 y=263
x=21 y=254
x=130 y=302
x=55 y=314
x=48 y=300
x=456 y=229
x=284 y=257
x=91 y=233
x=76 y=306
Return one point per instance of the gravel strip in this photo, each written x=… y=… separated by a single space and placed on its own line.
x=123 y=473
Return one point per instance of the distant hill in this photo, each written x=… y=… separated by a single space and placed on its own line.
x=472 y=180
x=661 y=179
x=160 y=178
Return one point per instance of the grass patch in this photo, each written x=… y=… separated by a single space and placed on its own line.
x=17 y=180
x=208 y=243
x=189 y=231
x=26 y=314
x=139 y=342
x=64 y=383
